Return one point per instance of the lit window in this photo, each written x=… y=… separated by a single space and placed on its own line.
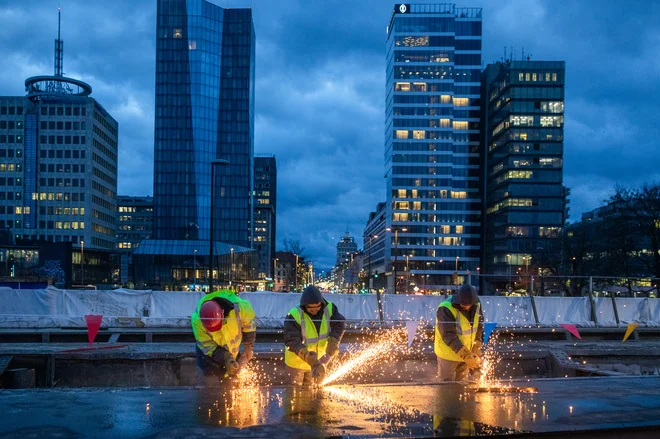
x=401 y=193
x=401 y=134
x=521 y=76
x=533 y=76
x=445 y=99
x=445 y=123
x=58 y=224
x=459 y=229
x=458 y=194
x=445 y=229
x=402 y=86
x=18 y=210
x=461 y=102
x=192 y=45
x=547 y=77
x=554 y=77
x=419 y=134
x=527 y=76
x=460 y=125
x=177 y=33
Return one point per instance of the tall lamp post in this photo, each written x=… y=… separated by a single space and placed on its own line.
x=82 y=262
x=396 y=248
x=231 y=265
x=510 y=286
x=457 y=258
x=195 y=270
x=369 y=264
x=274 y=271
x=214 y=163
x=541 y=250
x=295 y=281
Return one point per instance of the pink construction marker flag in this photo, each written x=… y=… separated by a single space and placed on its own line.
x=572 y=329
x=93 y=325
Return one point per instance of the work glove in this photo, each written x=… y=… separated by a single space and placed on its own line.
x=231 y=366
x=472 y=361
x=333 y=347
x=310 y=358
x=463 y=353
x=318 y=371
x=245 y=357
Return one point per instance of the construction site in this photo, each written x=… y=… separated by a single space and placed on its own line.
x=573 y=367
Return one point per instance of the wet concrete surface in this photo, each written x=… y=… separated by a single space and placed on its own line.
x=418 y=410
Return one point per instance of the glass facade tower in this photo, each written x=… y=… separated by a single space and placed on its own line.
x=204 y=112
x=525 y=204
x=432 y=102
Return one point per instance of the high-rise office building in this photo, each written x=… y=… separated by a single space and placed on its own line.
x=432 y=144
x=525 y=203
x=265 y=207
x=58 y=163
x=204 y=112
x=204 y=118
x=135 y=218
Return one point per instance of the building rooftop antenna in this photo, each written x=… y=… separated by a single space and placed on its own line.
x=59 y=46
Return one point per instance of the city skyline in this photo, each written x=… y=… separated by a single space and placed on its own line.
x=325 y=59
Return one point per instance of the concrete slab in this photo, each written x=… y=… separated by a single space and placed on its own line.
x=561 y=405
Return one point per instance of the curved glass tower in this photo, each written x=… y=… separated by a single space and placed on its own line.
x=204 y=112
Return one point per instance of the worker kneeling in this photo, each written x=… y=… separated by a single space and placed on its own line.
x=221 y=322
x=312 y=333
x=459 y=335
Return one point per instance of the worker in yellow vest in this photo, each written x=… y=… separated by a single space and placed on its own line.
x=459 y=333
x=222 y=322
x=312 y=333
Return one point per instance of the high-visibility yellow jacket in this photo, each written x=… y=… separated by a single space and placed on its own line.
x=466 y=331
x=313 y=341
x=240 y=319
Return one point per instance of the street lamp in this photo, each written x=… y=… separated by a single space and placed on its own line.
x=82 y=262
x=510 y=286
x=274 y=271
x=195 y=269
x=214 y=163
x=396 y=248
x=369 y=264
x=231 y=265
x=457 y=257
x=541 y=250
x=295 y=271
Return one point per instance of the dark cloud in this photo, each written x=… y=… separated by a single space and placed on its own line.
x=320 y=92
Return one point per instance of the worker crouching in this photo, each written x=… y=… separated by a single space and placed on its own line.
x=459 y=335
x=312 y=333
x=222 y=322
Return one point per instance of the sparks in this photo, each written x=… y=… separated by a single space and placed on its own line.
x=389 y=342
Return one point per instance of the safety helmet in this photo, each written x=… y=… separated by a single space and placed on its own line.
x=211 y=314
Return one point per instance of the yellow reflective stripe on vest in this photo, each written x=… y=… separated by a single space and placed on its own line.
x=317 y=343
x=303 y=327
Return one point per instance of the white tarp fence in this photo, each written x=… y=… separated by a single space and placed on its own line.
x=51 y=307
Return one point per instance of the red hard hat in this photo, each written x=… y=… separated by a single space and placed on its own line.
x=212 y=315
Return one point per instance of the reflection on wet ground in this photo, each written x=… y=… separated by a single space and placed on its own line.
x=441 y=410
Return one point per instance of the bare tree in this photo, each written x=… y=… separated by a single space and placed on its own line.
x=294 y=246
x=642 y=208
